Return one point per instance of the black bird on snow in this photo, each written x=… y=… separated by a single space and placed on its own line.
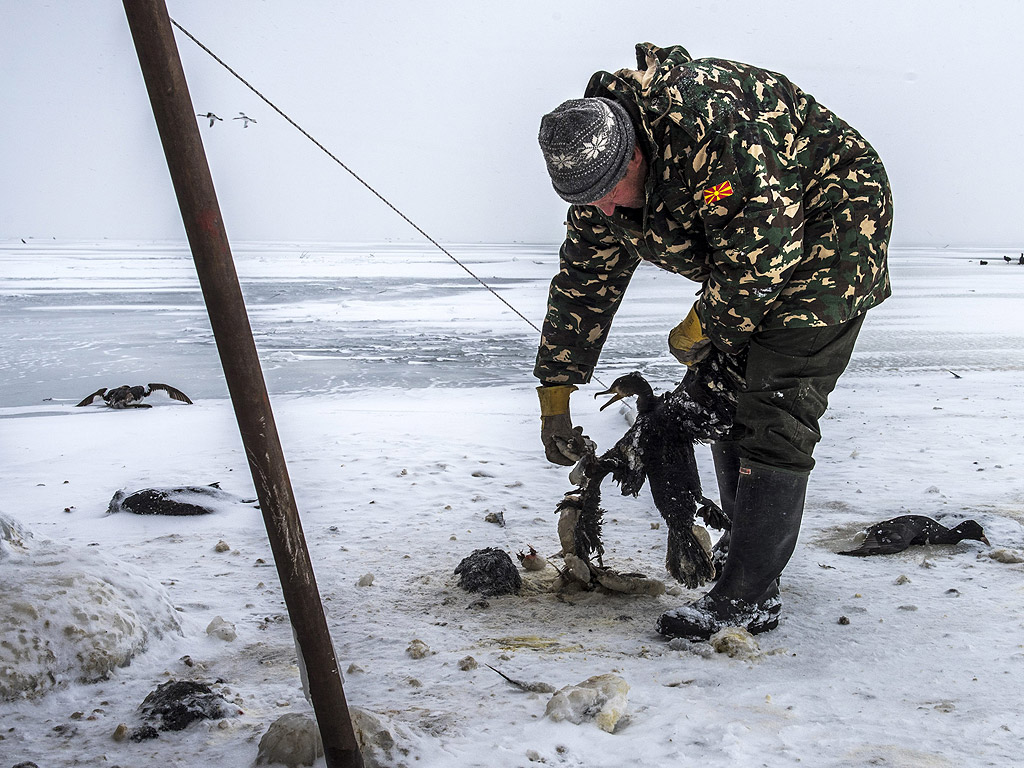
x=1007 y=259
x=891 y=536
x=211 y=117
x=131 y=397
x=1019 y=262
x=245 y=117
x=658 y=448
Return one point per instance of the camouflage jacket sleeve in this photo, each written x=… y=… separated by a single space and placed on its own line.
x=752 y=215
x=594 y=270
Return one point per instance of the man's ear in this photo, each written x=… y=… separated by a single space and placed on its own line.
x=638 y=155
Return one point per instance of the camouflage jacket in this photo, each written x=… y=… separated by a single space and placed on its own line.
x=777 y=206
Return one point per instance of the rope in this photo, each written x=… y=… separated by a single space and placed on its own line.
x=354 y=175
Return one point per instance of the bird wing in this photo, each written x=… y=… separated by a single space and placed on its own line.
x=883 y=539
x=93 y=396
x=176 y=394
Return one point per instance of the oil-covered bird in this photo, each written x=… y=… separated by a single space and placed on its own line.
x=659 y=449
x=891 y=536
x=131 y=397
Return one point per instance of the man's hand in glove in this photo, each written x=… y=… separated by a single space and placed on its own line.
x=687 y=341
x=556 y=425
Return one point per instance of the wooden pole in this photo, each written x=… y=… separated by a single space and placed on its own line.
x=190 y=173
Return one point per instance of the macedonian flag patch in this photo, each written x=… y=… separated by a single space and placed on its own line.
x=717 y=192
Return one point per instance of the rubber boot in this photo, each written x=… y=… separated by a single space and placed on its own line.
x=766 y=522
x=726 y=455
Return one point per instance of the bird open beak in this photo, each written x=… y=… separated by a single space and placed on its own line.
x=616 y=397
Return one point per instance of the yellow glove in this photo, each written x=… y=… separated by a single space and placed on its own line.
x=556 y=424
x=687 y=341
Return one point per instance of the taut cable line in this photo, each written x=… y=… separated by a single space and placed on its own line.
x=352 y=173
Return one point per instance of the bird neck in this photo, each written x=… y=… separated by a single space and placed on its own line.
x=645 y=401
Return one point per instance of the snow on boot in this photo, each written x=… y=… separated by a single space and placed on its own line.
x=710 y=614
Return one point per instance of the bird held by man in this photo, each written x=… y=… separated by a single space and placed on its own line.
x=658 y=449
x=127 y=396
x=896 y=535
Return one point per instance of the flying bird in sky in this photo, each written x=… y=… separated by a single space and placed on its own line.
x=211 y=117
x=245 y=117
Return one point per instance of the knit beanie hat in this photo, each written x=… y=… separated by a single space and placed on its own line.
x=587 y=145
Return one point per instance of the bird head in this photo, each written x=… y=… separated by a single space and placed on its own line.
x=627 y=386
x=971 y=529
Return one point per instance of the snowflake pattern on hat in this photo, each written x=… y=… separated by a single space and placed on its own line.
x=587 y=145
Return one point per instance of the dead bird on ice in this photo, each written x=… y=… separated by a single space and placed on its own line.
x=658 y=449
x=131 y=397
x=182 y=501
x=891 y=536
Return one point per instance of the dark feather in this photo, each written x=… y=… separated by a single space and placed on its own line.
x=98 y=393
x=176 y=394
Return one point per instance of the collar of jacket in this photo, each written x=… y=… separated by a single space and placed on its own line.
x=642 y=91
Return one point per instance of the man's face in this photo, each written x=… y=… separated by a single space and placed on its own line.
x=629 y=192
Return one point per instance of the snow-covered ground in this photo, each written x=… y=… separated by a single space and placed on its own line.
x=403 y=395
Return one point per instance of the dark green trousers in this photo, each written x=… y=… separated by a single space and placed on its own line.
x=789 y=376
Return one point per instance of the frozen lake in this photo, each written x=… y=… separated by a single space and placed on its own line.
x=328 y=318
x=405 y=403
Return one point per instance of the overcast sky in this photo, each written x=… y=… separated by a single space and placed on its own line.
x=437 y=106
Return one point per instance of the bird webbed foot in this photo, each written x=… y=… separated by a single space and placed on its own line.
x=714 y=516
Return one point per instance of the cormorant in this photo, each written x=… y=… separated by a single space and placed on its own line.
x=891 y=536
x=658 y=448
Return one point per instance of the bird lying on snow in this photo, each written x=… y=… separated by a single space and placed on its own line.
x=131 y=397
x=180 y=501
x=658 y=448
x=891 y=536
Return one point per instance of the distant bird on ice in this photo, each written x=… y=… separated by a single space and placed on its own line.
x=211 y=117
x=245 y=117
x=891 y=536
x=131 y=397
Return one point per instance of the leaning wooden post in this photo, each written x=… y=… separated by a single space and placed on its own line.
x=172 y=107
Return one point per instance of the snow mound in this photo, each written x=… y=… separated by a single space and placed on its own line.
x=12 y=537
x=69 y=614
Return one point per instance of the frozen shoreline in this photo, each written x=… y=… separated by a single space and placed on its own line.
x=395 y=480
